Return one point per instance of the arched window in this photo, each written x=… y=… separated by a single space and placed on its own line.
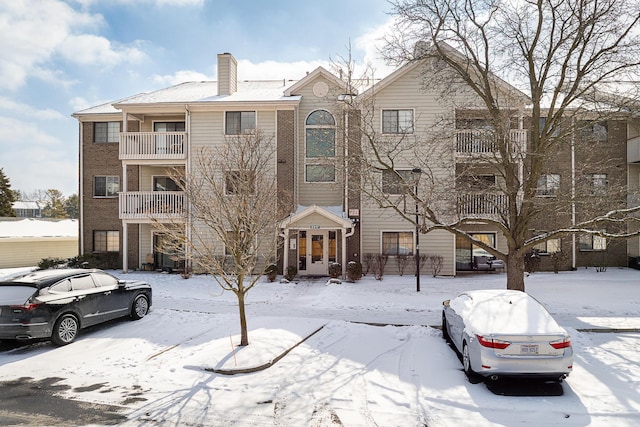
x=320 y=135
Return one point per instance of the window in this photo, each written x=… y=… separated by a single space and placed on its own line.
x=168 y=127
x=103 y=279
x=397 y=121
x=106 y=241
x=591 y=242
x=106 y=186
x=599 y=183
x=476 y=182
x=397 y=243
x=240 y=122
x=164 y=183
x=548 y=247
x=394 y=184
x=320 y=135
x=320 y=173
x=82 y=283
x=548 y=185
x=238 y=182
x=554 y=131
x=106 y=131
x=595 y=131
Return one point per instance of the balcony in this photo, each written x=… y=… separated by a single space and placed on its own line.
x=148 y=205
x=153 y=145
x=481 y=205
x=633 y=150
x=479 y=142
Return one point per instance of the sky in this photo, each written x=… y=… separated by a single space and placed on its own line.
x=61 y=56
x=349 y=373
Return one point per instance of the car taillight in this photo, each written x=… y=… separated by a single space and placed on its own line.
x=25 y=307
x=491 y=343
x=563 y=343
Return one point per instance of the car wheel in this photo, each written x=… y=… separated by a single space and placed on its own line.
x=140 y=307
x=65 y=330
x=472 y=376
x=445 y=332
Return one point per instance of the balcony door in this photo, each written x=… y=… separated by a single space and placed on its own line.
x=166 y=144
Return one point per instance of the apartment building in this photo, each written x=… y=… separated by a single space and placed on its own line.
x=126 y=147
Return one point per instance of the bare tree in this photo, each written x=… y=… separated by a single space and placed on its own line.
x=232 y=217
x=563 y=56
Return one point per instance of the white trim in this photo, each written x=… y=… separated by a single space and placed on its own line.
x=399 y=134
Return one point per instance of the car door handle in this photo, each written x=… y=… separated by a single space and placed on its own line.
x=78 y=298
x=108 y=293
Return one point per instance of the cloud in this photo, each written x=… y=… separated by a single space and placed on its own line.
x=27 y=110
x=180 y=77
x=178 y=3
x=372 y=43
x=32 y=32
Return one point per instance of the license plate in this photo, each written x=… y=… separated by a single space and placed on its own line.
x=531 y=349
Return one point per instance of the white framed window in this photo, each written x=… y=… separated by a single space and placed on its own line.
x=239 y=182
x=104 y=132
x=320 y=135
x=106 y=241
x=239 y=122
x=549 y=246
x=599 y=183
x=548 y=185
x=320 y=173
x=397 y=121
x=394 y=184
x=591 y=242
x=596 y=131
x=106 y=186
x=397 y=242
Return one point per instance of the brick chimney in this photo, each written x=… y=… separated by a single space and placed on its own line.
x=227 y=74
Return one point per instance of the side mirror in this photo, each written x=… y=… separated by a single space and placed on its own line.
x=446 y=302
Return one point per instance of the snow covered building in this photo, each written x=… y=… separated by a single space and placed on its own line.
x=127 y=145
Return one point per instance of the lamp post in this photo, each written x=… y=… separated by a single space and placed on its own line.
x=416 y=172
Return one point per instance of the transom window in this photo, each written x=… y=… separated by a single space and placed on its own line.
x=394 y=184
x=106 y=132
x=240 y=122
x=106 y=186
x=397 y=243
x=397 y=121
x=548 y=185
x=320 y=134
x=106 y=241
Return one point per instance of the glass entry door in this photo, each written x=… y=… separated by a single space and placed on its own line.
x=313 y=253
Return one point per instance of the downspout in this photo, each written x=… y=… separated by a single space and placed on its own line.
x=81 y=190
x=573 y=196
x=344 y=247
x=187 y=249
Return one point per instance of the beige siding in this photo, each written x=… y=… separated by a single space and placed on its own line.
x=27 y=252
x=147 y=125
x=321 y=194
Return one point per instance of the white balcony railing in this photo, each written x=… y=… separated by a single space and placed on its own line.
x=153 y=145
x=146 y=205
x=487 y=204
x=479 y=142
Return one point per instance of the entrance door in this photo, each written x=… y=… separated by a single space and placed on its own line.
x=313 y=247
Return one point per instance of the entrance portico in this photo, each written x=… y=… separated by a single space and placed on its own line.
x=311 y=235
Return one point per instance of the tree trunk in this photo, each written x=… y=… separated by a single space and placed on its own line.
x=244 y=336
x=515 y=272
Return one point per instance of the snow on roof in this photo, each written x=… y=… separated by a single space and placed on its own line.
x=38 y=228
x=22 y=204
x=207 y=91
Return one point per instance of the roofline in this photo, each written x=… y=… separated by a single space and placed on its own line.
x=320 y=71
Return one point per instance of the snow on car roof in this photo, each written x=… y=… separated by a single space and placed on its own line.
x=496 y=311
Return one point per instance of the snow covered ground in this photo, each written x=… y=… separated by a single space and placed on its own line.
x=349 y=373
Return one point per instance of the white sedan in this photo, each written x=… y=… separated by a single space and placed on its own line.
x=506 y=333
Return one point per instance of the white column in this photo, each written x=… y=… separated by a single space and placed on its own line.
x=285 y=261
x=125 y=249
x=343 y=233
